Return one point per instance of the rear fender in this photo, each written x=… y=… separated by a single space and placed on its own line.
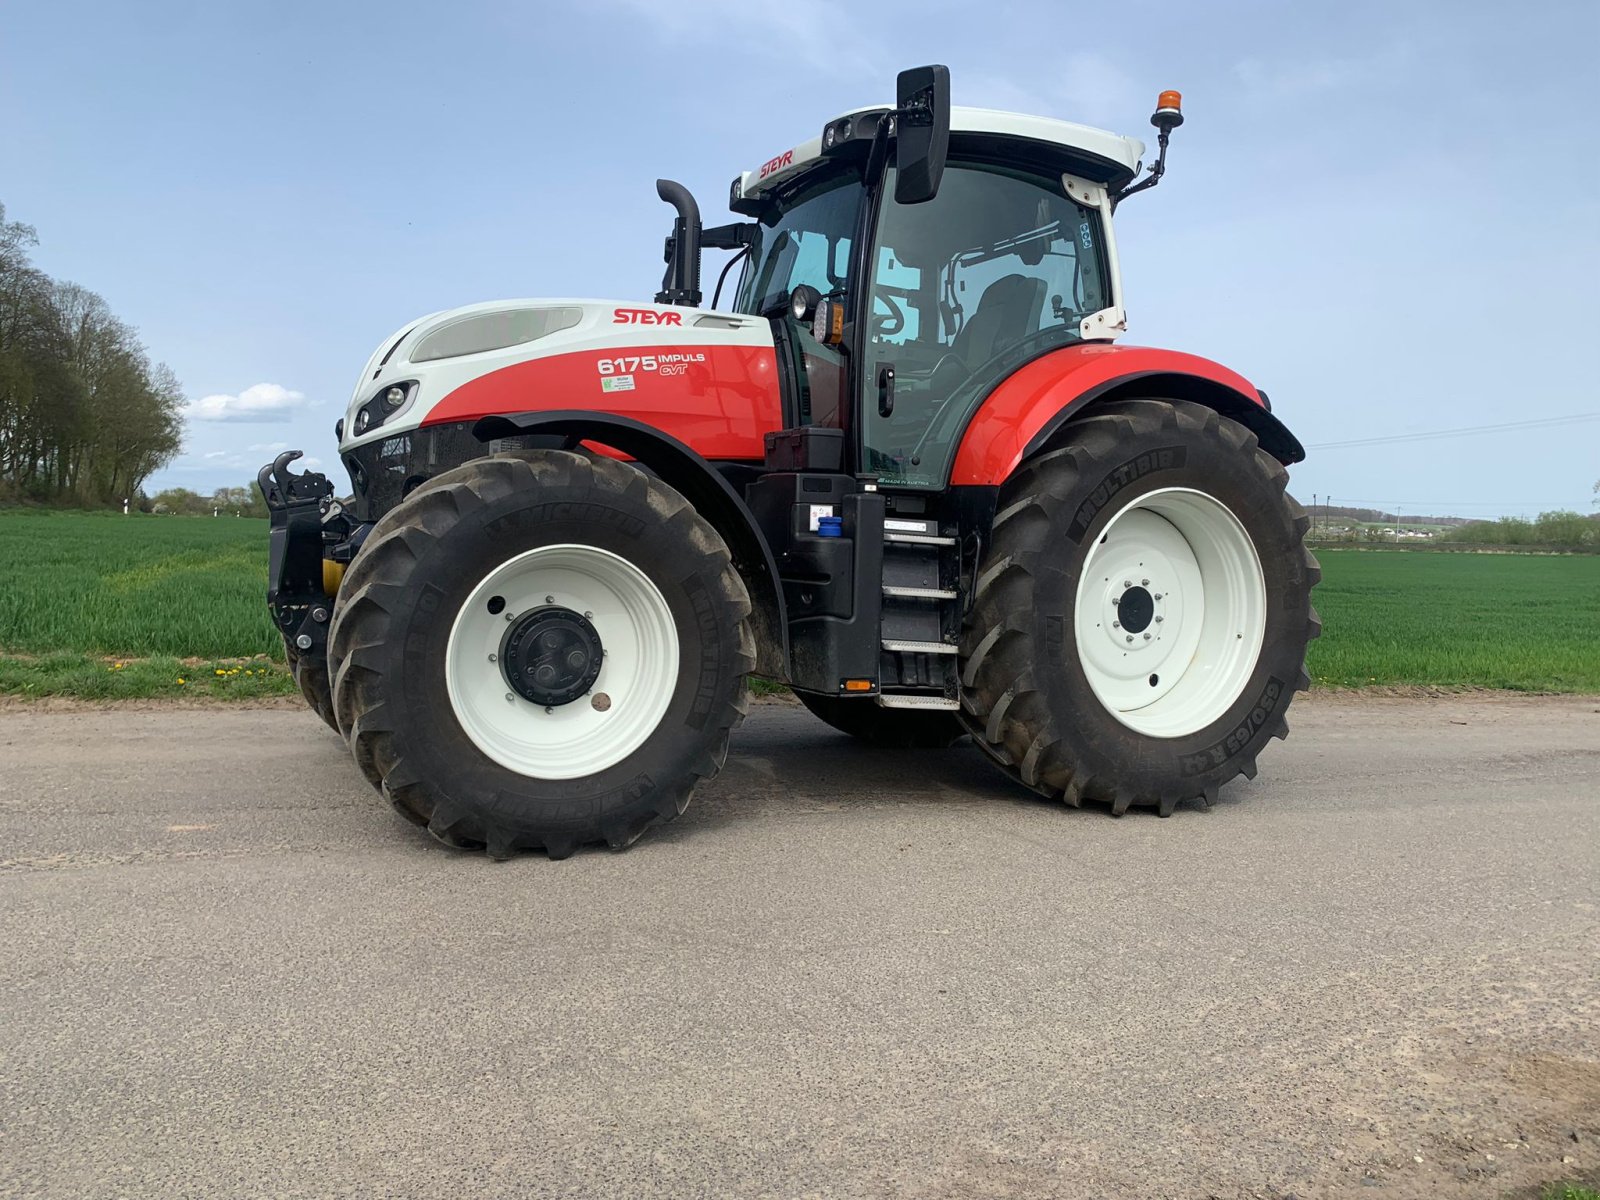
x=698 y=482
x=1028 y=412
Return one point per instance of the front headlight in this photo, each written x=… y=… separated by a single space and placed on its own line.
x=389 y=402
x=493 y=331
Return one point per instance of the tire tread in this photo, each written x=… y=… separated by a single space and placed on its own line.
x=381 y=572
x=1001 y=708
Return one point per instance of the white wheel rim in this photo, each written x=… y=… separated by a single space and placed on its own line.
x=628 y=699
x=1200 y=641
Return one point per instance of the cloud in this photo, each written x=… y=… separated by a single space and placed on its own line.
x=216 y=454
x=264 y=402
x=267 y=447
x=212 y=462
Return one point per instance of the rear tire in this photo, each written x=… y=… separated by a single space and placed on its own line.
x=894 y=728
x=1142 y=612
x=446 y=605
x=311 y=676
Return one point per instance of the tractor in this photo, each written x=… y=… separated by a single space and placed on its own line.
x=908 y=470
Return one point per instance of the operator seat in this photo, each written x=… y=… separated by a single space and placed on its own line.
x=1008 y=312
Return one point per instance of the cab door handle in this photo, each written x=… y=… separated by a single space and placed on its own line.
x=885 y=390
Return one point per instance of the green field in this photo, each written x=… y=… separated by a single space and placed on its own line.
x=1525 y=622
x=110 y=606
x=107 y=606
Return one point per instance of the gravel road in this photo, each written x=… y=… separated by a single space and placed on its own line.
x=229 y=970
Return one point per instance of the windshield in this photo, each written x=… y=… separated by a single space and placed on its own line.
x=807 y=240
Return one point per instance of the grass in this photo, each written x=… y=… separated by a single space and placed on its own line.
x=1519 y=622
x=183 y=598
x=102 y=606
x=89 y=677
x=137 y=586
x=1569 y=1191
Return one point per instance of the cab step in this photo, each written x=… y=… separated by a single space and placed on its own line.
x=919 y=593
x=923 y=702
x=901 y=646
x=918 y=539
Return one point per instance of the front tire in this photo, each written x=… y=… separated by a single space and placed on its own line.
x=311 y=677
x=541 y=650
x=1142 y=613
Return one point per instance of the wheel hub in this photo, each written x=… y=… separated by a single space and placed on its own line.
x=1135 y=608
x=551 y=655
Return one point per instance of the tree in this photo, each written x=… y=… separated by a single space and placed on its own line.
x=1561 y=528
x=241 y=500
x=84 y=415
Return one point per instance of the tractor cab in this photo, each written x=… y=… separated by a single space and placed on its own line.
x=904 y=286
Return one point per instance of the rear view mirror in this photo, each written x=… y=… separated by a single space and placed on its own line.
x=922 y=132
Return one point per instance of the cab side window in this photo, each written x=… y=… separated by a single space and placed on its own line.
x=1000 y=265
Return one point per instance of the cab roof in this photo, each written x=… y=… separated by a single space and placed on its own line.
x=1104 y=157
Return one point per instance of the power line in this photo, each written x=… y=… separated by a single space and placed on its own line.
x=1540 y=423
x=1342 y=502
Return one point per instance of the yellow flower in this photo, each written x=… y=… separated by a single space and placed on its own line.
x=220 y=671
x=181 y=679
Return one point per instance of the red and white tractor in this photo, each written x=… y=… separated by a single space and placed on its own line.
x=908 y=469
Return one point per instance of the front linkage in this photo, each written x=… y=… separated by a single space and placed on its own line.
x=313 y=538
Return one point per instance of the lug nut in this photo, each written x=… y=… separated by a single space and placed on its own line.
x=1130 y=637
x=1144 y=583
x=549 y=599
x=548 y=710
x=1147 y=637
x=494 y=658
x=1159 y=620
x=511 y=616
x=588 y=616
x=510 y=699
x=1127 y=583
x=1158 y=595
x=1116 y=624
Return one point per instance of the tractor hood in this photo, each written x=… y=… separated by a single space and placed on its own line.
x=468 y=362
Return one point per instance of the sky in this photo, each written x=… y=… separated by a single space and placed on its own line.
x=1384 y=214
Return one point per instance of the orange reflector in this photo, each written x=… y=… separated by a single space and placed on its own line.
x=858 y=685
x=1170 y=100
x=828 y=324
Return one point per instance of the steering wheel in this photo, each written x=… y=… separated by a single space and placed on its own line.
x=891 y=322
